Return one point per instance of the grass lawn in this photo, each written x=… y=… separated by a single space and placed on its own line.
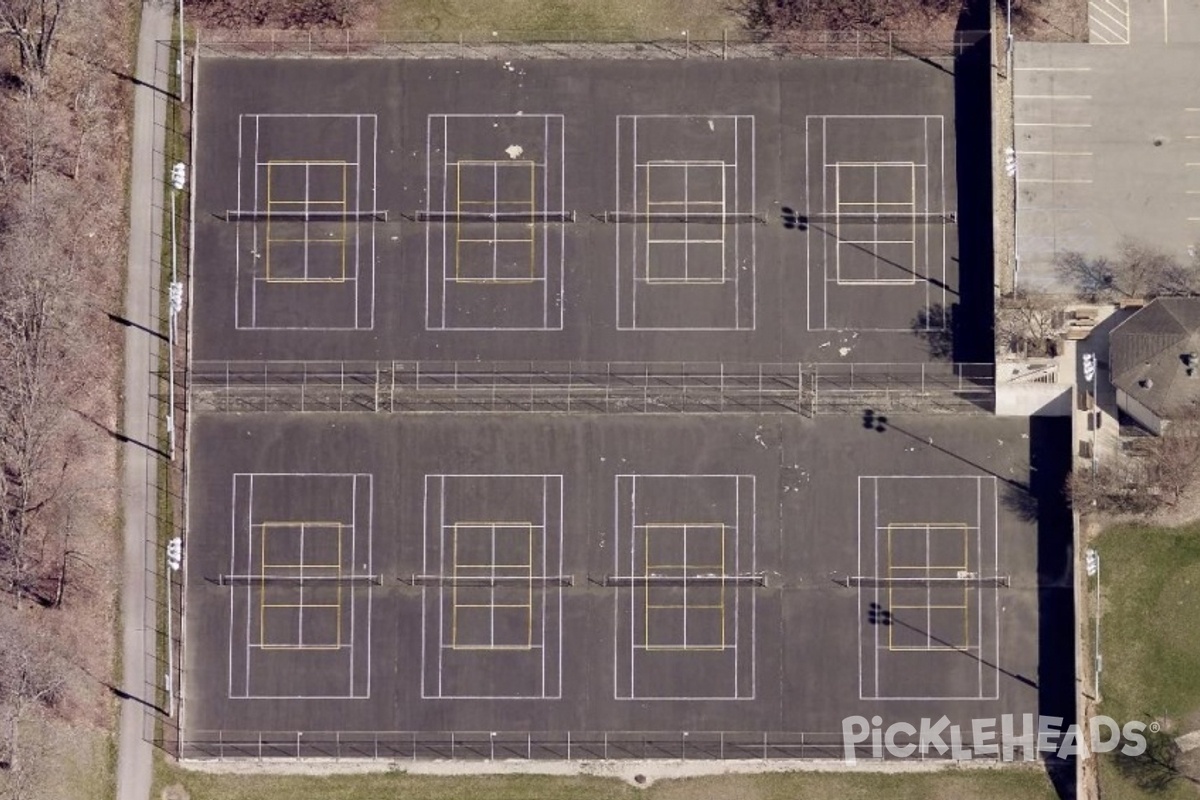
x=1011 y=784
x=1150 y=640
x=603 y=19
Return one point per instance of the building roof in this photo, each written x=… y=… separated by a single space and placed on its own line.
x=1148 y=356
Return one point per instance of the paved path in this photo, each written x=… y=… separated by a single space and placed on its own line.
x=135 y=753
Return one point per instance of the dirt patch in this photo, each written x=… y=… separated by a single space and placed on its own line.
x=1049 y=20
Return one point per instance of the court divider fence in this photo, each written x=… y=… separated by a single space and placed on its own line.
x=589 y=387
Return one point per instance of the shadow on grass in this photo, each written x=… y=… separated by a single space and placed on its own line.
x=1157 y=769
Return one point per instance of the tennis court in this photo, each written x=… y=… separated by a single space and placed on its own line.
x=586 y=574
x=586 y=211
x=526 y=585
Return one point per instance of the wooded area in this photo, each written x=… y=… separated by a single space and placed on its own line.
x=64 y=99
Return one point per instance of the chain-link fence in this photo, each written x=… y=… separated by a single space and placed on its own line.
x=566 y=387
x=601 y=44
x=955 y=388
x=570 y=745
x=588 y=387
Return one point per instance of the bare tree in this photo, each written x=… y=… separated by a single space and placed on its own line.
x=38 y=330
x=1157 y=474
x=33 y=25
x=30 y=678
x=1027 y=323
x=778 y=17
x=287 y=13
x=1174 y=462
x=1118 y=487
x=1093 y=279
x=1137 y=270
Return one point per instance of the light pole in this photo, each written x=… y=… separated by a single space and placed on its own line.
x=1089 y=374
x=174 y=561
x=175 y=302
x=1092 y=564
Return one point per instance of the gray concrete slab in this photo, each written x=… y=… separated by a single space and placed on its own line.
x=793 y=500
x=1107 y=148
x=404 y=136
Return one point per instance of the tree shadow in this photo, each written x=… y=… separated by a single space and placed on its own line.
x=1156 y=770
x=934 y=326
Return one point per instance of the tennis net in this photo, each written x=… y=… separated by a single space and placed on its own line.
x=311 y=215
x=521 y=217
x=752 y=579
x=943 y=218
x=687 y=218
x=874 y=582
x=301 y=580
x=492 y=581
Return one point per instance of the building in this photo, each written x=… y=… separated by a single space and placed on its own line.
x=1154 y=362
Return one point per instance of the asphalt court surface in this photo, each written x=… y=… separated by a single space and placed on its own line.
x=590 y=573
x=425 y=221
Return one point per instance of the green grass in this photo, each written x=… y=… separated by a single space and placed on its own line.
x=607 y=19
x=1149 y=640
x=1013 y=783
x=175 y=150
x=90 y=772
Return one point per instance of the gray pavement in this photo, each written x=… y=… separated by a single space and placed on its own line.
x=135 y=753
x=797 y=654
x=1107 y=138
x=584 y=137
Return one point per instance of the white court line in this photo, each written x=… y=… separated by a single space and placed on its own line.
x=253 y=278
x=438 y=314
x=978 y=594
x=923 y=268
x=248 y=478
x=544 y=480
x=627 y=486
x=873 y=481
x=629 y=291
